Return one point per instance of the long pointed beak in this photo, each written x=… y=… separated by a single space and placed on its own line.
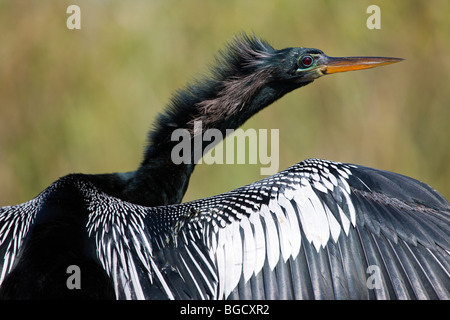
x=335 y=65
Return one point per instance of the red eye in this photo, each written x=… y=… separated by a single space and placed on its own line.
x=307 y=61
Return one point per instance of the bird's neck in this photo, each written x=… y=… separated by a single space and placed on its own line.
x=164 y=173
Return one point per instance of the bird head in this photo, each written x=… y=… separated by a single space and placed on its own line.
x=304 y=65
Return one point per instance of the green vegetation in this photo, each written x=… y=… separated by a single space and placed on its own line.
x=83 y=100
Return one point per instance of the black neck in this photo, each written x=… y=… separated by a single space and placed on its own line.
x=163 y=180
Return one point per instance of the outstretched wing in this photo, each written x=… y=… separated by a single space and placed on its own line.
x=327 y=230
x=318 y=230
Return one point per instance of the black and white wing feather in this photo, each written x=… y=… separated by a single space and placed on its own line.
x=15 y=223
x=318 y=230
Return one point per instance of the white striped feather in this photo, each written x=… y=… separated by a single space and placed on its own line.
x=221 y=268
x=344 y=220
x=209 y=267
x=166 y=288
x=271 y=235
x=249 y=253
x=273 y=230
x=191 y=275
x=260 y=242
x=283 y=227
x=294 y=232
x=333 y=224
x=122 y=243
x=15 y=222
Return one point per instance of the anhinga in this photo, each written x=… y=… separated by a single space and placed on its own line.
x=318 y=229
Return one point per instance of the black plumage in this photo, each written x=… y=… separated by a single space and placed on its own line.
x=317 y=230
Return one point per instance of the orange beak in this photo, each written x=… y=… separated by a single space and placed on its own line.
x=335 y=65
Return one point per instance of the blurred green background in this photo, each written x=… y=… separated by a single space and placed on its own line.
x=83 y=100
